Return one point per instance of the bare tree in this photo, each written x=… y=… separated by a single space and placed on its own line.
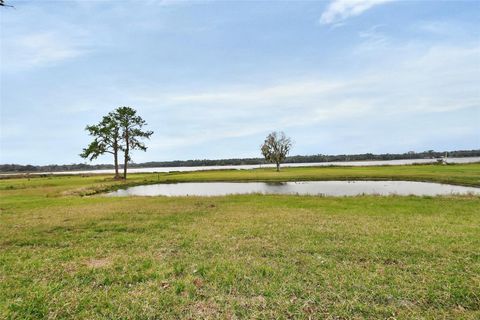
x=276 y=147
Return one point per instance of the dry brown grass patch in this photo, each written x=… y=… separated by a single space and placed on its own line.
x=99 y=263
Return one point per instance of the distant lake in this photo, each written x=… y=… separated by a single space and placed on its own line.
x=327 y=188
x=256 y=166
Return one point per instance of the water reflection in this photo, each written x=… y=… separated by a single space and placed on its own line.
x=327 y=188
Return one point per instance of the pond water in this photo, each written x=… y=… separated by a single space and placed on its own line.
x=327 y=188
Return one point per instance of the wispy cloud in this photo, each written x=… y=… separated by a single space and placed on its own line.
x=38 y=50
x=339 y=10
x=372 y=39
x=443 y=77
x=266 y=94
x=212 y=81
x=42 y=39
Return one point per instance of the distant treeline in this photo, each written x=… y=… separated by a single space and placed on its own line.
x=292 y=159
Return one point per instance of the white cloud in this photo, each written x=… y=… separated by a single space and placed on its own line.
x=39 y=49
x=339 y=10
x=373 y=39
x=267 y=94
x=420 y=81
x=431 y=79
x=399 y=81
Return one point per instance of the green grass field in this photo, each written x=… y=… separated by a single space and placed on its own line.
x=68 y=256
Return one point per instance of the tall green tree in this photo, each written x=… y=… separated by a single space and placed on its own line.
x=131 y=130
x=276 y=147
x=107 y=139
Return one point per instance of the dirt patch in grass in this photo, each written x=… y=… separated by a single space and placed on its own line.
x=98 y=263
x=205 y=310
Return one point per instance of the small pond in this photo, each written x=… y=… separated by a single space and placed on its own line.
x=326 y=188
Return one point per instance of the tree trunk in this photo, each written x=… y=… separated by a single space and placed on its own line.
x=115 y=157
x=125 y=165
x=278 y=166
x=126 y=157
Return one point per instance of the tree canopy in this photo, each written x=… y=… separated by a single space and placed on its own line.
x=132 y=133
x=119 y=131
x=276 y=147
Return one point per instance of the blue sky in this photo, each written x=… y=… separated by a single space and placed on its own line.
x=213 y=78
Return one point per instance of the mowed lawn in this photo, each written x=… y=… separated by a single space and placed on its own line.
x=246 y=256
